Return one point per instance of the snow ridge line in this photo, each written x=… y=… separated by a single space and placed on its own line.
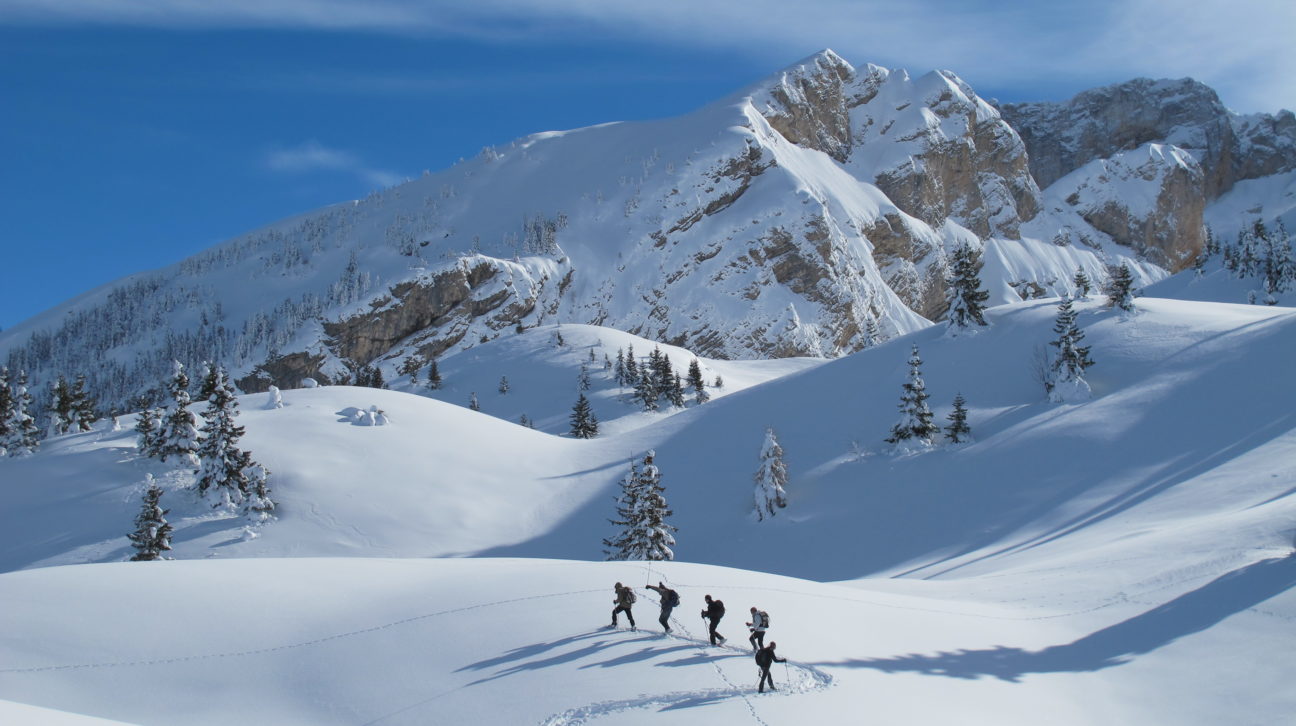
x=291 y=646
x=813 y=679
x=864 y=601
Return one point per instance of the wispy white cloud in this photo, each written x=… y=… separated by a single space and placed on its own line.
x=1242 y=47
x=313 y=156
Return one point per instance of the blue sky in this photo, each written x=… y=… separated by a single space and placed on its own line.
x=135 y=134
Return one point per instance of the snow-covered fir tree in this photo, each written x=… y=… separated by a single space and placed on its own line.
x=274 y=398
x=676 y=393
x=1066 y=381
x=84 y=414
x=958 y=431
x=627 y=543
x=1083 y=284
x=257 y=504
x=646 y=390
x=583 y=378
x=178 y=438
x=771 y=477
x=525 y=420
x=719 y=382
x=658 y=535
x=433 y=376
x=642 y=530
x=148 y=429
x=631 y=366
x=965 y=297
x=221 y=473
x=696 y=383
x=60 y=407
x=872 y=334
x=1120 y=288
x=915 y=426
x=503 y=385
x=152 y=535
x=207 y=382
x=619 y=369
x=584 y=425
x=23 y=434
x=472 y=402
x=6 y=411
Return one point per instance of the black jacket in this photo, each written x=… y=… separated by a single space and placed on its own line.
x=715 y=610
x=765 y=656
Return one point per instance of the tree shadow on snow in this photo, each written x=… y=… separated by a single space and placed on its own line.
x=1115 y=645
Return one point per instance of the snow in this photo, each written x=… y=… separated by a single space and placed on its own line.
x=1123 y=560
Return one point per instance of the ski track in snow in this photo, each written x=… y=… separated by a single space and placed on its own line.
x=809 y=679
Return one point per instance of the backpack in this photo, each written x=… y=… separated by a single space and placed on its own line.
x=719 y=607
x=764 y=618
x=630 y=597
x=672 y=598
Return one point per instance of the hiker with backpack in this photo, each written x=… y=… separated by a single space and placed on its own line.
x=764 y=659
x=759 y=623
x=625 y=599
x=714 y=611
x=669 y=599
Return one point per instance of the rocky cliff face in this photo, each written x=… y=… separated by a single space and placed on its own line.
x=1115 y=121
x=935 y=148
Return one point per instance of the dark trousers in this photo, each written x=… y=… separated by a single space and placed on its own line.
x=757 y=639
x=623 y=609
x=713 y=623
x=665 y=617
x=764 y=678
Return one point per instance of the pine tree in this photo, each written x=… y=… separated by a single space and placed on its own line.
x=258 y=506
x=643 y=533
x=771 y=477
x=619 y=369
x=524 y=420
x=433 y=376
x=472 y=402
x=24 y=434
x=646 y=390
x=657 y=534
x=503 y=385
x=719 y=382
x=148 y=428
x=152 y=535
x=958 y=430
x=965 y=297
x=584 y=425
x=207 y=386
x=696 y=383
x=915 y=417
x=1082 y=283
x=1066 y=372
x=6 y=413
x=60 y=409
x=221 y=463
x=83 y=407
x=626 y=544
x=1120 y=288
x=179 y=436
x=583 y=379
x=872 y=334
x=631 y=366
x=676 y=393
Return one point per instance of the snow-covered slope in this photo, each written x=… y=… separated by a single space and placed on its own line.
x=1125 y=560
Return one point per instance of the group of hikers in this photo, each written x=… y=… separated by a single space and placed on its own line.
x=669 y=599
